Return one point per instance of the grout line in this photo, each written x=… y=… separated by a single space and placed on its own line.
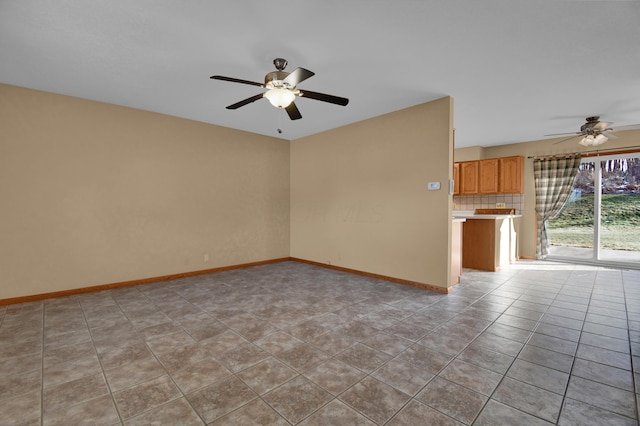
x=104 y=374
x=573 y=361
x=183 y=395
x=633 y=367
x=515 y=357
x=455 y=357
x=538 y=322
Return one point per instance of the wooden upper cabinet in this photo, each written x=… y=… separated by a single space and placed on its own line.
x=468 y=177
x=456 y=178
x=491 y=176
x=488 y=171
x=511 y=171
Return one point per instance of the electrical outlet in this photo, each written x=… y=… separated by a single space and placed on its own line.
x=205 y=257
x=500 y=205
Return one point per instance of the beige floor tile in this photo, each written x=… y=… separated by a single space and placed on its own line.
x=336 y=413
x=416 y=413
x=122 y=355
x=334 y=376
x=363 y=357
x=453 y=400
x=133 y=373
x=430 y=360
x=540 y=376
x=289 y=342
x=22 y=409
x=406 y=377
x=530 y=399
x=145 y=396
x=578 y=413
x=471 y=376
x=266 y=375
x=98 y=411
x=375 y=399
x=302 y=357
x=387 y=343
x=603 y=396
x=20 y=364
x=176 y=412
x=71 y=370
x=74 y=392
x=297 y=399
x=256 y=412
x=496 y=413
x=220 y=398
x=333 y=342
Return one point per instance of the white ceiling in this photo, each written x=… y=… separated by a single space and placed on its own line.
x=517 y=69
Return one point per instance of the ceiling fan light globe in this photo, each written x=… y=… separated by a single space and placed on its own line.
x=599 y=140
x=280 y=98
x=587 y=140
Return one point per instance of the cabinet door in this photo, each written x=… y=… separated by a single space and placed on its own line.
x=468 y=178
x=456 y=178
x=488 y=172
x=479 y=244
x=511 y=171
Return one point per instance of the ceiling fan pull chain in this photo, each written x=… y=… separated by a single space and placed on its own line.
x=280 y=120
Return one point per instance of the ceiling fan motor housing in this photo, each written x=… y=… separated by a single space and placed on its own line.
x=275 y=80
x=594 y=126
x=588 y=126
x=280 y=63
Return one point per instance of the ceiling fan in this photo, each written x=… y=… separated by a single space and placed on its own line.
x=282 y=89
x=594 y=132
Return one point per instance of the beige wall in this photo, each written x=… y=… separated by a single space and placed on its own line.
x=528 y=235
x=94 y=194
x=469 y=153
x=359 y=195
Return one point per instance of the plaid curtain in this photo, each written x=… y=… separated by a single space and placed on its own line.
x=554 y=179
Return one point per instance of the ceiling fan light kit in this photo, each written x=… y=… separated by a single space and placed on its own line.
x=594 y=132
x=591 y=140
x=280 y=98
x=281 y=89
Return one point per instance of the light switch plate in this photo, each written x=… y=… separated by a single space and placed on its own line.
x=433 y=186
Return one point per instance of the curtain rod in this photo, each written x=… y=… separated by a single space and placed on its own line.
x=622 y=150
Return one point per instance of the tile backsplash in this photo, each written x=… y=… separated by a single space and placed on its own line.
x=472 y=202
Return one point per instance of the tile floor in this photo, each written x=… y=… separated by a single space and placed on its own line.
x=289 y=343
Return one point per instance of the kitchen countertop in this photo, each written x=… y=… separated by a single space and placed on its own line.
x=469 y=214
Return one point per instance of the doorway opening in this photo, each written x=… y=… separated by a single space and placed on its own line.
x=600 y=223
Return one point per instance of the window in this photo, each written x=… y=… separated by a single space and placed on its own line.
x=600 y=223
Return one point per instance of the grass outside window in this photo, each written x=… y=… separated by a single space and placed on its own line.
x=619 y=229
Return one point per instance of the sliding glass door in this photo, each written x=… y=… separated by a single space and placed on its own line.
x=600 y=223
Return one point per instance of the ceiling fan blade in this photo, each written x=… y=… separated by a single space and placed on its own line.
x=566 y=139
x=324 y=97
x=610 y=135
x=562 y=134
x=246 y=101
x=236 y=80
x=297 y=76
x=601 y=125
x=293 y=111
x=629 y=127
